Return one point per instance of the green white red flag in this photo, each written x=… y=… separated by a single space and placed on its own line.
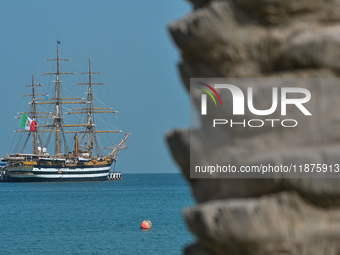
x=27 y=123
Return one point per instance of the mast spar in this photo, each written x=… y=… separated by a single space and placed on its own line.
x=58 y=116
x=34 y=113
x=90 y=130
x=87 y=162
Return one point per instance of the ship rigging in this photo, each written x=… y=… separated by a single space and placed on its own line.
x=86 y=161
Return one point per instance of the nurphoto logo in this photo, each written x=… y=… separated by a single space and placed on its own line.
x=238 y=104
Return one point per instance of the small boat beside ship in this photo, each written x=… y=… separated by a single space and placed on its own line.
x=85 y=159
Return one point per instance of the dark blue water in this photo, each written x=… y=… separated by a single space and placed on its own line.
x=95 y=217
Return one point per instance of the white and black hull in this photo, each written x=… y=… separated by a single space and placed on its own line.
x=54 y=174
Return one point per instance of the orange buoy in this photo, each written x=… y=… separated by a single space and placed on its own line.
x=146 y=224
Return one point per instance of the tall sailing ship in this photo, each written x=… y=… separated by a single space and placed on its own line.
x=85 y=161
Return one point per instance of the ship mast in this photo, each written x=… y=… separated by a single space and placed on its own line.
x=90 y=110
x=91 y=134
x=34 y=115
x=57 y=116
x=90 y=119
x=57 y=125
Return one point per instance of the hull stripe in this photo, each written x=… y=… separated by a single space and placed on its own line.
x=11 y=179
x=55 y=169
x=51 y=174
x=56 y=172
x=58 y=175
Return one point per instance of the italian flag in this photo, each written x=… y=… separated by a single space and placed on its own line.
x=27 y=123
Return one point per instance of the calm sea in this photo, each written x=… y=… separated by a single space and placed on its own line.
x=95 y=217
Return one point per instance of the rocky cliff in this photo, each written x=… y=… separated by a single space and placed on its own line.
x=264 y=38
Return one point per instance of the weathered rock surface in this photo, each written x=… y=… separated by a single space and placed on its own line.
x=273 y=224
x=263 y=38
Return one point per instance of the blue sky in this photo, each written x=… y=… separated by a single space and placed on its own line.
x=129 y=44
